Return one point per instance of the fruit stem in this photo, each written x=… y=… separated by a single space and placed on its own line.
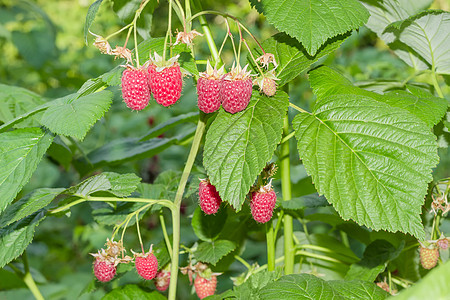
x=117 y=32
x=178 y=197
x=221 y=48
x=169 y=30
x=139 y=233
x=298 y=108
x=28 y=278
x=289 y=249
x=270 y=239
x=251 y=54
x=166 y=236
x=287 y=137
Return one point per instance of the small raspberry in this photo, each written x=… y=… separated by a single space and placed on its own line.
x=269 y=87
x=162 y=280
x=165 y=80
x=428 y=257
x=146 y=265
x=135 y=90
x=262 y=204
x=104 y=270
x=209 y=198
x=236 y=90
x=442 y=243
x=205 y=287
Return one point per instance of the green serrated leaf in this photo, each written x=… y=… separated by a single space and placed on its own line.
x=355 y=149
x=132 y=291
x=291 y=56
x=60 y=152
x=383 y=13
x=313 y=22
x=299 y=286
x=208 y=227
x=212 y=252
x=428 y=35
x=430 y=109
x=238 y=146
x=15 y=102
x=358 y=290
x=28 y=205
x=250 y=288
x=20 y=152
x=74 y=115
x=433 y=286
x=15 y=238
x=90 y=16
x=163 y=127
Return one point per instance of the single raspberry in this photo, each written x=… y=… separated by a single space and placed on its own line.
x=104 y=270
x=209 y=198
x=162 y=280
x=262 y=203
x=428 y=257
x=267 y=84
x=236 y=90
x=442 y=243
x=205 y=287
x=135 y=90
x=146 y=265
x=165 y=80
x=208 y=89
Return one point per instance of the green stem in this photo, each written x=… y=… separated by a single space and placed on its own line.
x=166 y=236
x=321 y=257
x=139 y=233
x=246 y=264
x=28 y=279
x=263 y=267
x=287 y=137
x=298 y=108
x=178 y=197
x=169 y=30
x=209 y=38
x=270 y=239
x=285 y=167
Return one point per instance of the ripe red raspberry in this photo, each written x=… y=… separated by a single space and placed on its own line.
x=135 y=90
x=162 y=280
x=429 y=257
x=205 y=287
x=165 y=80
x=236 y=90
x=146 y=265
x=262 y=204
x=209 y=198
x=104 y=270
x=208 y=89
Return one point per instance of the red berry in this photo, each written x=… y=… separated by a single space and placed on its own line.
x=147 y=265
x=165 y=83
x=103 y=270
x=262 y=204
x=209 y=198
x=162 y=280
x=135 y=90
x=235 y=94
x=208 y=91
x=205 y=287
x=428 y=257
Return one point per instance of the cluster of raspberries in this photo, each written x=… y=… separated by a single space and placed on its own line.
x=164 y=81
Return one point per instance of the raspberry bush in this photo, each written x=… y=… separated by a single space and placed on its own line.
x=253 y=154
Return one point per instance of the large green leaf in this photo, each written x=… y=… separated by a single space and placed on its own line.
x=383 y=13
x=428 y=35
x=291 y=56
x=238 y=146
x=16 y=101
x=430 y=109
x=212 y=252
x=15 y=238
x=313 y=22
x=372 y=161
x=433 y=286
x=208 y=227
x=29 y=204
x=74 y=115
x=20 y=152
x=306 y=286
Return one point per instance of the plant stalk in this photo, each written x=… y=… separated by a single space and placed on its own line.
x=28 y=279
x=270 y=239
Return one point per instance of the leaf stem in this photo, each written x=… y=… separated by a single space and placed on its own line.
x=298 y=108
x=319 y=256
x=28 y=279
x=246 y=264
x=166 y=236
x=287 y=137
x=178 y=197
x=169 y=30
